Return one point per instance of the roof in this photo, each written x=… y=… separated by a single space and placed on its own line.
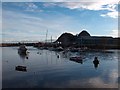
x=84 y=33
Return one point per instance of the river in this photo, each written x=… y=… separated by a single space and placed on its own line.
x=46 y=70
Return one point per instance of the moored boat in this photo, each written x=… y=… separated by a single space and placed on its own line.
x=77 y=59
x=59 y=49
x=21 y=68
x=22 y=49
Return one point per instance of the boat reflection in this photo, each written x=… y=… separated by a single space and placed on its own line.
x=23 y=56
x=21 y=68
x=80 y=61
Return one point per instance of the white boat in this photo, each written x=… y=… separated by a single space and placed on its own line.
x=22 y=49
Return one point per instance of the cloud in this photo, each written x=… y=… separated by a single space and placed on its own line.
x=31 y=7
x=97 y=82
x=92 y=5
x=32 y=27
x=114 y=33
x=114 y=75
x=109 y=5
x=112 y=1
x=49 y=4
x=26 y=6
x=92 y=82
x=113 y=14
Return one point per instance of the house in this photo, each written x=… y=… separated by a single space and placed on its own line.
x=84 y=39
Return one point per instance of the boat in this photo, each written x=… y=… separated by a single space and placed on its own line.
x=58 y=49
x=21 y=68
x=74 y=50
x=22 y=49
x=77 y=59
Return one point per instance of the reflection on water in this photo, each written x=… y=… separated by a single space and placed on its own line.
x=23 y=56
x=79 y=61
x=55 y=69
x=96 y=65
x=0 y=68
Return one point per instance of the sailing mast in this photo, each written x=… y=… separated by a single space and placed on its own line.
x=46 y=35
x=51 y=39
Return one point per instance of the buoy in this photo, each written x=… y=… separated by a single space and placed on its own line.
x=26 y=57
x=37 y=52
x=57 y=56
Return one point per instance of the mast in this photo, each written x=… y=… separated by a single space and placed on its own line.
x=81 y=42
x=51 y=39
x=46 y=35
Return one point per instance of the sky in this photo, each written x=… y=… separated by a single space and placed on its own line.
x=30 y=21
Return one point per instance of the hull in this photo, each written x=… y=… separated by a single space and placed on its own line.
x=22 y=49
x=77 y=59
x=21 y=68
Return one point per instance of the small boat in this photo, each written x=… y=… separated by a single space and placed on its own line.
x=21 y=68
x=78 y=59
x=22 y=49
x=74 y=50
x=59 y=49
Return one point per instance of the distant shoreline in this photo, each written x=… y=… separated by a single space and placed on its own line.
x=32 y=44
x=14 y=44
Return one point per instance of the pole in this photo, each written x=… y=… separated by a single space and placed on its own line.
x=46 y=35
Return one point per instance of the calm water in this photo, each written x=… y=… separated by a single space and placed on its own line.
x=45 y=69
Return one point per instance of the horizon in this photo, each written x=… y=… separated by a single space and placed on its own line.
x=31 y=20
x=48 y=40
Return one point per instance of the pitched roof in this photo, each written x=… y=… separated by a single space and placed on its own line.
x=84 y=33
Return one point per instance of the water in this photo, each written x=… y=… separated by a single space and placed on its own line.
x=45 y=69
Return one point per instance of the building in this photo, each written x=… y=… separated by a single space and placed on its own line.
x=84 y=39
